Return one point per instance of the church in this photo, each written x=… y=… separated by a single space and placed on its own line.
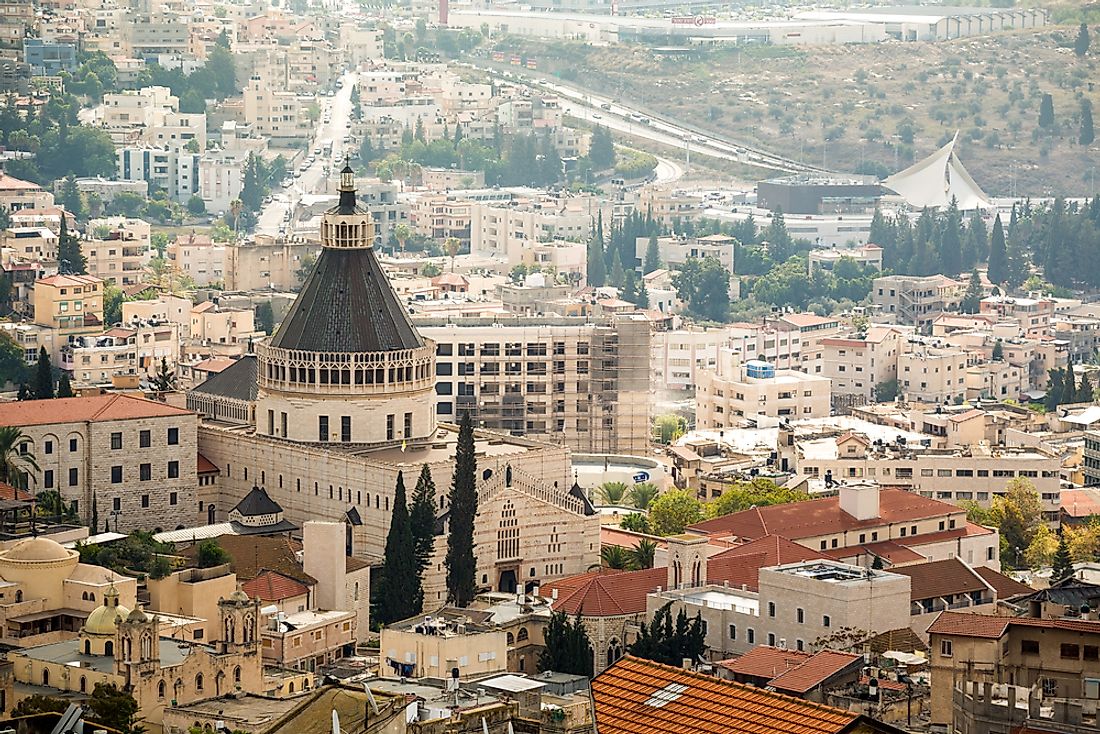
x=341 y=399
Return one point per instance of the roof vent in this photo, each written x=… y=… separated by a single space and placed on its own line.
x=664 y=696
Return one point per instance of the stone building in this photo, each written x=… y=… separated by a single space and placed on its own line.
x=120 y=460
x=343 y=400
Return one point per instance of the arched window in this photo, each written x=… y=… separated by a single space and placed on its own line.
x=198 y=682
x=109 y=648
x=248 y=628
x=19 y=595
x=84 y=596
x=146 y=646
x=614 y=651
x=161 y=689
x=511 y=639
x=237 y=674
x=87 y=647
x=91 y=596
x=522 y=635
x=45 y=676
x=83 y=684
x=229 y=636
x=292 y=686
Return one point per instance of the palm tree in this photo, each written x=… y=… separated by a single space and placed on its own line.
x=402 y=233
x=643 y=554
x=615 y=556
x=612 y=493
x=451 y=247
x=643 y=493
x=14 y=462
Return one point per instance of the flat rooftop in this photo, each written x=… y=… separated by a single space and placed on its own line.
x=727 y=600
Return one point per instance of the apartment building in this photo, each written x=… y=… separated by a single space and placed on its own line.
x=996 y=381
x=117 y=249
x=221 y=178
x=134 y=350
x=858 y=364
x=933 y=375
x=164 y=307
x=71 y=304
x=266 y=262
x=441 y=216
x=49 y=58
x=915 y=300
x=30 y=243
x=1034 y=315
x=1058 y=659
x=157 y=37
x=173 y=170
x=17 y=194
x=734 y=391
x=667 y=205
x=308 y=640
x=1091 y=458
x=225 y=331
x=125 y=461
x=430 y=645
x=676 y=250
x=580 y=382
x=278 y=115
x=151 y=116
x=972 y=473
x=198 y=257
x=508 y=230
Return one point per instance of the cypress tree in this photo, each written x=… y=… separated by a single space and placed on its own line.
x=1084 y=392
x=422 y=520
x=618 y=275
x=998 y=254
x=1087 y=134
x=597 y=268
x=1046 y=111
x=1081 y=43
x=1054 y=389
x=652 y=256
x=568 y=648
x=64 y=387
x=94 y=524
x=43 y=376
x=24 y=392
x=1063 y=563
x=399 y=580
x=461 y=562
x=1069 y=385
x=976 y=248
x=70 y=260
x=972 y=300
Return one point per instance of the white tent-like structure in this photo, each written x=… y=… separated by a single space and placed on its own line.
x=937 y=179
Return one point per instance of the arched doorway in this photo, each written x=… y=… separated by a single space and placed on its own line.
x=210 y=515
x=507 y=582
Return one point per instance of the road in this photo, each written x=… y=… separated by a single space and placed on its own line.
x=318 y=177
x=617 y=116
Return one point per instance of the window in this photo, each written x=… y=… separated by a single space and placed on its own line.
x=1029 y=647
x=116 y=475
x=74 y=477
x=389 y=427
x=799 y=645
x=733 y=632
x=826 y=621
x=144 y=500
x=771 y=639
x=145 y=472
x=1092 y=652
x=1070 y=651
x=48 y=447
x=47 y=479
x=173 y=436
x=116 y=504
x=72 y=445
x=173 y=470
x=145 y=439
x=751 y=636
x=173 y=498
x=322 y=428
x=345 y=428
x=116 y=441
x=800 y=615
x=408 y=425
x=771 y=609
x=945 y=648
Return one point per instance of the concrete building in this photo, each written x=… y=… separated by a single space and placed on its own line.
x=71 y=304
x=1034 y=315
x=335 y=405
x=915 y=300
x=677 y=250
x=262 y=262
x=129 y=461
x=933 y=375
x=221 y=178
x=734 y=391
x=581 y=383
x=818 y=194
x=868 y=256
x=33 y=244
x=164 y=307
x=429 y=646
x=48 y=58
x=858 y=364
x=224 y=331
x=134 y=350
x=308 y=640
x=173 y=170
x=1056 y=658
x=507 y=230
x=198 y=257
x=117 y=249
x=16 y=194
x=279 y=115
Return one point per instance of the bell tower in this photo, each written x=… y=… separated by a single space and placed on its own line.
x=240 y=623
x=138 y=650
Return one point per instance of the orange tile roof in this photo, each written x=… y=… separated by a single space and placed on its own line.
x=941 y=578
x=11 y=183
x=819 y=668
x=984 y=625
x=611 y=535
x=67 y=280
x=766 y=661
x=823 y=516
x=1005 y=585
x=274 y=586
x=10 y=493
x=1080 y=502
x=108 y=407
x=636 y=696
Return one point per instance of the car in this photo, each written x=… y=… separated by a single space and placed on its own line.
x=605 y=106
x=348 y=125
x=597 y=116
x=316 y=151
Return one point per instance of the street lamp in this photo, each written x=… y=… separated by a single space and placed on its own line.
x=116 y=514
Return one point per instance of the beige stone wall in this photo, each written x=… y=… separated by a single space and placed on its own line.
x=368 y=417
x=194 y=593
x=434 y=656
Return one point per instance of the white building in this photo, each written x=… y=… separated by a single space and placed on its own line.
x=735 y=391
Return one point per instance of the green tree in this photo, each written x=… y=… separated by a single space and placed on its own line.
x=1054 y=388
x=196 y=205
x=669 y=427
x=422 y=518
x=64 y=387
x=16 y=464
x=1084 y=392
x=704 y=286
x=39 y=704
x=1087 y=135
x=461 y=562
x=597 y=268
x=673 y=511
x=43 y=388
x=70 y=260
x=652 y=256
x=636 y=522
x=210 y=554
x=13 y=368
x=998 y=351
x=615 y=557
x=265 y=317
x=668 y=643
x=397 y=590
x=252 y=188
x=998 y=254
x=1063 y=563
x=601 y=150
x=972 y=299
x=115 y=708
x=1042 y=548
x=1046 y=111
x=1081 y=43
x=886 y=390
x=642 y=494
x=71 y=198
x=612 y=493
x=644 y=554
x=165 y=379
x=760 y=492
x=568 y=648
x=1018 y=513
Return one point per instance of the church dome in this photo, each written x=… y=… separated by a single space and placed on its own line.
x=40 y=550
x=104 y=620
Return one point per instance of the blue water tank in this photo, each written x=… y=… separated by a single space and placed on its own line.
x=759 y=369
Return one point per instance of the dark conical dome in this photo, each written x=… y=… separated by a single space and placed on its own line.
x=347 y=305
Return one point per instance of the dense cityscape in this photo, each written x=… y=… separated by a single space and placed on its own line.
x=569 y=367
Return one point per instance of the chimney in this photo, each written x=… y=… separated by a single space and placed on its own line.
x=860 y=500
x=323 y=558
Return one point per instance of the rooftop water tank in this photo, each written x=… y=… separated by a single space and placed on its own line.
x=759 y=369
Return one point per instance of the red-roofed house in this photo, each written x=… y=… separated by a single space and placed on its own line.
x=800 y=674
x=271 y=587
x=16 y=194
x=72 y=304
x=136 y=455
x=1057 y=656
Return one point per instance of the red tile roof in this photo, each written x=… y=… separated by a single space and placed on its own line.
x=274 y=586
x=1080 y=502
x=11 y=183
x=206 y=466
x=608 y=593
x=765 y=661
x=822 y=516
x=108 y=407
x=1005 y=585
x=815 y=671
x=70 y=280
x=984 y=625
x=890 y=550
x=10 y=493
x=636 y=696
x=941 y=578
